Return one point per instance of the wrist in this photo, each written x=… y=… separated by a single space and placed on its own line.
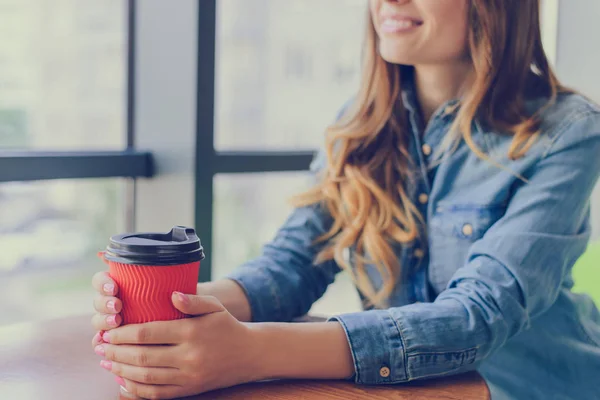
x=299 y=351
x=258 y=361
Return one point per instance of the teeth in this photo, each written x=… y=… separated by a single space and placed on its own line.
x=398 y=24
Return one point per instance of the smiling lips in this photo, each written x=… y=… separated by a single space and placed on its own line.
x=398 y=24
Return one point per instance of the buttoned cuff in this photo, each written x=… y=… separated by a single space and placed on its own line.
x=377 y=346
x=262 y=293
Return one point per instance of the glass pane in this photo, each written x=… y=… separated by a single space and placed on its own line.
x=549 y=20
x=49 y=237
x=62 y=74
x=248 y=211
x=284 y=69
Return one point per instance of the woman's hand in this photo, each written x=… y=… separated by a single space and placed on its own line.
x=106 y=304
x=210 y=351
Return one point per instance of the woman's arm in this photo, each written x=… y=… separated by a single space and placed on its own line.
x=319 y=350
x=303 y=351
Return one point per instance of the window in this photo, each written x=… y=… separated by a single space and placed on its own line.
x=283 y=71
x=249 y=208
x=284 y=68
x=63 y=73
x=549 y=27
x=86 y=83
x=50 y=234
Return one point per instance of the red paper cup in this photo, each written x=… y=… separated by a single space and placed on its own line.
x=149 y=267
x=145 y=290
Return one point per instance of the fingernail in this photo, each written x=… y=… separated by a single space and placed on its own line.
x=182 y=297
x=112 y=320
x=108 y=288
x=106 y=337
x=99 y=350
x=111 y=305
x=120 y=380
x=106 y=364
x=98 y=337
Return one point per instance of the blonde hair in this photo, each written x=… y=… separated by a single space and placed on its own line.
x=363 y=183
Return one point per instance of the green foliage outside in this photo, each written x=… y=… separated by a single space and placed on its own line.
x=586 y=272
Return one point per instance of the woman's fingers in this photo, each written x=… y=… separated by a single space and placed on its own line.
x=156 y=332
x=97 y=339
x=107 y=304
x=146 y=391
x=105 y=322
x=140 y=356
x=104 y=284
x=149 y=376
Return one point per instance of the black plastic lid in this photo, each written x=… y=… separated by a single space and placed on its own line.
x=179 y=246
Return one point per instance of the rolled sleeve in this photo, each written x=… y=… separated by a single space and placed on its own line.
x=284 y=282
x=376 y=344
x=262 y=293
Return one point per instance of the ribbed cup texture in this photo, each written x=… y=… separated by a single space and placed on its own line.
x=146 y=290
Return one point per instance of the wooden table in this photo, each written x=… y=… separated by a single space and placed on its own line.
x=53 y=360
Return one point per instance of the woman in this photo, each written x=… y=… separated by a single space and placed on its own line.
x=454 y=188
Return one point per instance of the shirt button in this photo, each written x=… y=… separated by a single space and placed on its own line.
x=384 y=372
x=467 y=229
x=423 y=198
x=426 y=149
x=419 y=253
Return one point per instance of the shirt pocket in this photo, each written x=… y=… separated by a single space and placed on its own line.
x=453 y=228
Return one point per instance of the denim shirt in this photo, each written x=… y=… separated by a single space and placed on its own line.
x=488 y=288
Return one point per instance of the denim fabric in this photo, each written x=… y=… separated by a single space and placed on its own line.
x=488 y=286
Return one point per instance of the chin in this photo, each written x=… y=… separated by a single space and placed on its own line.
x=399 y=59
x=396 y=56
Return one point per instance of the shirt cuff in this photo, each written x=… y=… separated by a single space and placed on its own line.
x=377 y=347
x=262 y=293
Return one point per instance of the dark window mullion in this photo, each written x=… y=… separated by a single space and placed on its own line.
x=42 y=165
x=131 y=27
x=131 y=186
x=205 y=151
x=248 y=162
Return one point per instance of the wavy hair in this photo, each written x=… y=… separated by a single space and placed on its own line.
x=363 y=185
